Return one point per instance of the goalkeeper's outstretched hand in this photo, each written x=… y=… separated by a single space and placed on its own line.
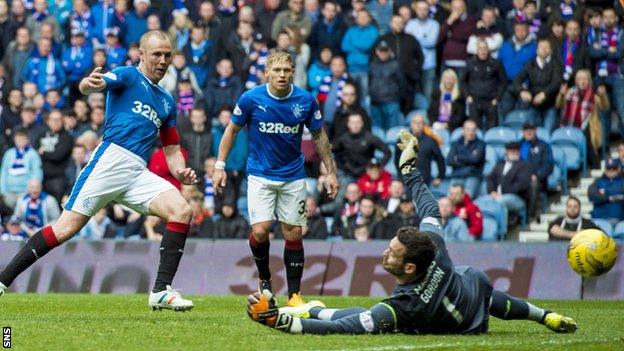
x=261 y=308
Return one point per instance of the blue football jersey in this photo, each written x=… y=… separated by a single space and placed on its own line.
x=275 y=128
x=136 y=109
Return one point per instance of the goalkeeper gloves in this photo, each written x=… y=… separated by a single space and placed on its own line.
x=261 y=308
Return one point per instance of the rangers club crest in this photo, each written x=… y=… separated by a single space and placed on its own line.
x=297 y=110
x=167 y=106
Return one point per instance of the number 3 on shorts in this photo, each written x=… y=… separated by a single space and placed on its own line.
x=302 y=207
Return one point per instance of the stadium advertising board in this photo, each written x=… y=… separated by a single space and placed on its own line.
x=332 y=268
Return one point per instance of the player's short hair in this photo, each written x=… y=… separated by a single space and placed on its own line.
x=419 y=248
x=152 y=33
x=279 y=57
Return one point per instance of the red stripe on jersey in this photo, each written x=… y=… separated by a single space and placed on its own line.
x=169 y=136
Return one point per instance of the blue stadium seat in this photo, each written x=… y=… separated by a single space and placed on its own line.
x=572 y=141
x=618 y=232
x=435 y=171
x=555 y=179
x=379 y=132
x=393 y=134
x=542 y=134
x=500 y=135
x=497 y=137
x=445 y=135
x=559 y=157
x=391 y=166
x=490 y=207
x=491 y=158
x=459 y=132
x=515 y=119
x=605 y=225
x=490 y=228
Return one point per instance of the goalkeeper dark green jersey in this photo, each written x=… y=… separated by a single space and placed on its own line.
x=448 y=300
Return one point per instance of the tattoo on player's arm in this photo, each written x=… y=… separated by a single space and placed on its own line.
x=323 y=147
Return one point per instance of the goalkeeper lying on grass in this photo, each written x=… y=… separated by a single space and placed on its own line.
x=431 y=297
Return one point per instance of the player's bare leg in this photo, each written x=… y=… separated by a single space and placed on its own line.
x=259 y=244
x=42 y=242
x=293 y=260
x=175 y=210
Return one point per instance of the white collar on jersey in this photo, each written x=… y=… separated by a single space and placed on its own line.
x=292 y=88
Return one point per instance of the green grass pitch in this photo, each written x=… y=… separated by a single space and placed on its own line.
x=123 y=322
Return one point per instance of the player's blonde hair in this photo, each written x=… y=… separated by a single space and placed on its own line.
x=279 y=57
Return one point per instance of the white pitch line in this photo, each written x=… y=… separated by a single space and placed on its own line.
x=469 y=344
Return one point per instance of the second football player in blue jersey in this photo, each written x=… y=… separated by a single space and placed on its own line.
x=276 y=114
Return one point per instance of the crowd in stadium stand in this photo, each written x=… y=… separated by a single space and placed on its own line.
x=505 y=96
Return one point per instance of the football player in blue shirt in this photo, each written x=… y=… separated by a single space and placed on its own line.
x=137 y=109
x=275 y=114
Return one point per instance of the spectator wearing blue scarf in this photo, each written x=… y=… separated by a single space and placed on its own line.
x=103 y=16
x=200 y=55
x=19 y=164
x=37 y=208
x=77 y=60
x=82 y=20
x=115 y=52
x=136 y=21
x=45 y=71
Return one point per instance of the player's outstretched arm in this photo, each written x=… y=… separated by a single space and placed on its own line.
x=323 y=148
x=426 y=204
x=93 y=83
x=219 y=177
x=379 y=319
x=177 y=165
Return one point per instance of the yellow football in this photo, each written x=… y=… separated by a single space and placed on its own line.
x=591 y=253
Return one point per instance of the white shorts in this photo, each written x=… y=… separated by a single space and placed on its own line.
x=268 y=198
x=115 y=174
